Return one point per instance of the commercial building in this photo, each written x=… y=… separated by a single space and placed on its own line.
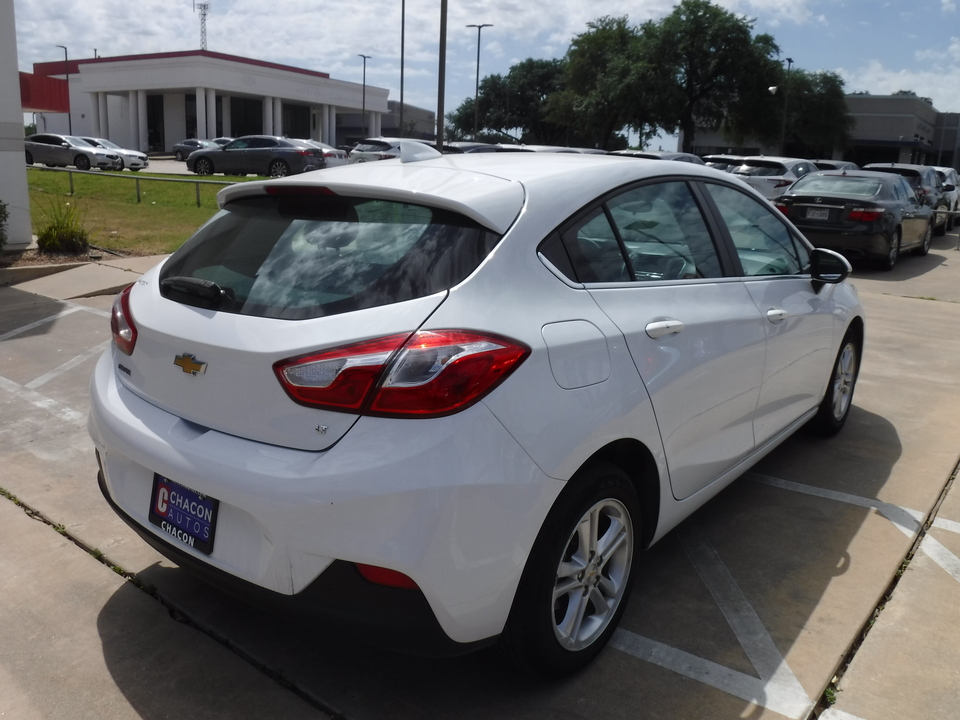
x=887 y=128
x=149 y=102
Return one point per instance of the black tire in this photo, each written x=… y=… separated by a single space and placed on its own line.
x=134 y=169
x=939 y=230
x=836 y=404
x=278 y=168
x=927 y=240
x=81 y=162
x=178 y=155
x=570 y=598
x=122 y=165
x=888 y=262
x=29 y=158
x=203 y=166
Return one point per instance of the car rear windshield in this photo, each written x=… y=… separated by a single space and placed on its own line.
x=372 y=146
x=307 y=256
x=864 y=187
x=761 y=169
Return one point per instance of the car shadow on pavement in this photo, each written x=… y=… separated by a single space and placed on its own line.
x=908 y=265
x=783 y=549
x=19 y=309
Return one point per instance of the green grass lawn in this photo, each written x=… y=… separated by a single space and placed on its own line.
x=165 y=217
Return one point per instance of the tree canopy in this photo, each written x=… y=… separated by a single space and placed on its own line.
x=699 y=67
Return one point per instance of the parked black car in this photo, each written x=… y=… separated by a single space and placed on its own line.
x=926 y=184
x=860 y=214
x=258 y=155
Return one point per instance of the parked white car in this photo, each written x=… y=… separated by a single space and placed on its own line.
x=771 y=176
x=449 y=400
x=56 y=150
x=332 y=156
x=134 y=160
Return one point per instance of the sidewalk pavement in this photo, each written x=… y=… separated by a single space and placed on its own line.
x=114 y=652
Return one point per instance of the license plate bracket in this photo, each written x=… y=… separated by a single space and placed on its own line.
x=818 y=214
x=183 y=513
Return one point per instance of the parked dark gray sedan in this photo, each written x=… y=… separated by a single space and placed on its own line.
x=182 y=150
x=859 y=213
x=258 y=155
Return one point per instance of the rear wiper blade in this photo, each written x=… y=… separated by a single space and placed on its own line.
x=203 y=293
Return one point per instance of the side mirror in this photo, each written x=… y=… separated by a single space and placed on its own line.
x=828 y=267
x=64 y=144
x=949 y=188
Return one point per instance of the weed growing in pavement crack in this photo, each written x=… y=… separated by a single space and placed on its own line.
x=10 y=496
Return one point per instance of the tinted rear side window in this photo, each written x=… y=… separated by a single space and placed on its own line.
x=298 y=257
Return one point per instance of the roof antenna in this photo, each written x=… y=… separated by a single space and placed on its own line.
x=204 y=6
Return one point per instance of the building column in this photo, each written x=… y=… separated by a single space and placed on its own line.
x=143 y=138
x=95 y=116
x=268 y=116
x=331 y=138
x=104 y=112
x=13 y=171
x=133 y=122
x=277 y=116
x=225 y=115
x=201 y=114
x=211 y=113
x=375 y=124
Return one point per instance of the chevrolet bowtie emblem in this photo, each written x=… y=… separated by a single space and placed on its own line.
x=190 y=365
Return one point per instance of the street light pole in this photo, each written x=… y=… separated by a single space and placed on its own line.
x=476 y=93
x=66 y=69
x=786 y=98
x=403 y=28
x=363 y=111
x=441 y=73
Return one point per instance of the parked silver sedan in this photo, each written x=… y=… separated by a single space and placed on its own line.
x=132 y=159
x=62 y=150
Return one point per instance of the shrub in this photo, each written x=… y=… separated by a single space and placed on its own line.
x=3 y=223
x=63 y=232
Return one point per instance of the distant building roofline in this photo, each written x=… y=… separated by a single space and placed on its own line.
x=59 y=67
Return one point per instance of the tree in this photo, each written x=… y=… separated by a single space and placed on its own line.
x=714 y=72
x=515 y=105
x=604 y=88
x=817 y=119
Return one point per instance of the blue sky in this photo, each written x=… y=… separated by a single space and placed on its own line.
x=876 y=46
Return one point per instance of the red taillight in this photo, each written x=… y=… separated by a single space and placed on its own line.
x=784 y=209
x=865 y=214
x=340 y=379
x=121 y=323
x=298 y=190
x=383 y=576
x=431 y=374
x=782 y=183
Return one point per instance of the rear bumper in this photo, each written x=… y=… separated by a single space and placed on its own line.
x=340 y=599
x=453 y=503
x=852 y=245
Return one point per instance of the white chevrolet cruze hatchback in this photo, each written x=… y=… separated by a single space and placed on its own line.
x=450 y=399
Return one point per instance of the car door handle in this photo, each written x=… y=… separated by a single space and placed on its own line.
x=663 y=327
x=776 y=315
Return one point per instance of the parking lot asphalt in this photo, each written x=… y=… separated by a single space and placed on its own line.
x=748 y=610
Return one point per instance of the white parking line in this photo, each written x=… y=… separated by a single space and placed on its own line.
x=834 y=714
x=41 y=401
x=44 y=321
x=777 y=688
x=69 y=365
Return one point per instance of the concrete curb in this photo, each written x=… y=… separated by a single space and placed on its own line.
x=15 y=275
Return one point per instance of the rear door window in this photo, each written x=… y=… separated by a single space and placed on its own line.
x=306 y=256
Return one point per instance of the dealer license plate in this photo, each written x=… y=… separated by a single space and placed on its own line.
x=818 y=214
x=185 y=514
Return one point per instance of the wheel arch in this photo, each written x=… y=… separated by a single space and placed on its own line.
x=636 y=460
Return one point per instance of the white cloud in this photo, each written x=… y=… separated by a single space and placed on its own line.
x=948 y=6
x=875 y=78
